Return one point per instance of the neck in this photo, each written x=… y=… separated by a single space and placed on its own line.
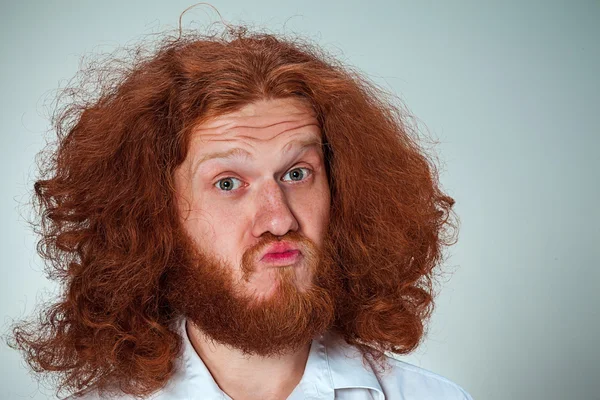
x=249 y=376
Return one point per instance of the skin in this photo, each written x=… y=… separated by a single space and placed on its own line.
x=280 y=188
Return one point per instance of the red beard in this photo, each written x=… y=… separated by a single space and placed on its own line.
x=204 y=291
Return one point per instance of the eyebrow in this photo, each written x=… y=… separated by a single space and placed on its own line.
x=237 y=152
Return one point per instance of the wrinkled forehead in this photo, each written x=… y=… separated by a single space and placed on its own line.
x=260 y=121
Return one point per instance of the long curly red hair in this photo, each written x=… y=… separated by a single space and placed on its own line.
x=110 y=230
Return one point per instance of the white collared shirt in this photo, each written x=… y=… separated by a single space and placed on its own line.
x=334 y=371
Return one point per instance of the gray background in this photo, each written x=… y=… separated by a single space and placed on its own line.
x=511 y=91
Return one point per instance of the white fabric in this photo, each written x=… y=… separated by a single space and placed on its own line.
x=334 y=371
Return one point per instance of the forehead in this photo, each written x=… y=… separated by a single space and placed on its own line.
x=261 y=121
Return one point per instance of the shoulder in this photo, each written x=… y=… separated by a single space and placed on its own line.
x=414 y=382
x=401 y=381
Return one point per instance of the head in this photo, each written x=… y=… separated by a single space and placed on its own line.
x=245 y=178
x=253 y=197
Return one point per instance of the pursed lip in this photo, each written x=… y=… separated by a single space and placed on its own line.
x=279 y=247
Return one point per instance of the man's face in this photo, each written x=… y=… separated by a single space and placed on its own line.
x=235 y=205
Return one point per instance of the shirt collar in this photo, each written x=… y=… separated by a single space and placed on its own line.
x=332 y=364
x=195 y=377
x=346 y=365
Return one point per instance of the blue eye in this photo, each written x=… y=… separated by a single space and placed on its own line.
x=226 y=184
x=297 y=175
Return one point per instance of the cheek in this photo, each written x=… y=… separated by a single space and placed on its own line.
x=214 y=226
x=316 y=212
x=324 y=199
x=217 y=229
x=199 y=231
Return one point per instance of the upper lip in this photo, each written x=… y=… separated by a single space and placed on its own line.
x=279 y=247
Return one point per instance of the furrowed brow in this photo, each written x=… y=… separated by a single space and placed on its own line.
x=303 y=144
x=236 y=152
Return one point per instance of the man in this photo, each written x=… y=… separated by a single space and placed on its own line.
x=238 y=217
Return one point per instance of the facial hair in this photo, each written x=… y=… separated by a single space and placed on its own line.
x=202 y=289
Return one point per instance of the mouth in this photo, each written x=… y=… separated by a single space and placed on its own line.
x=279 y=259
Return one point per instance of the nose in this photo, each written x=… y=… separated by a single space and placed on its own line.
x=272 y=211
